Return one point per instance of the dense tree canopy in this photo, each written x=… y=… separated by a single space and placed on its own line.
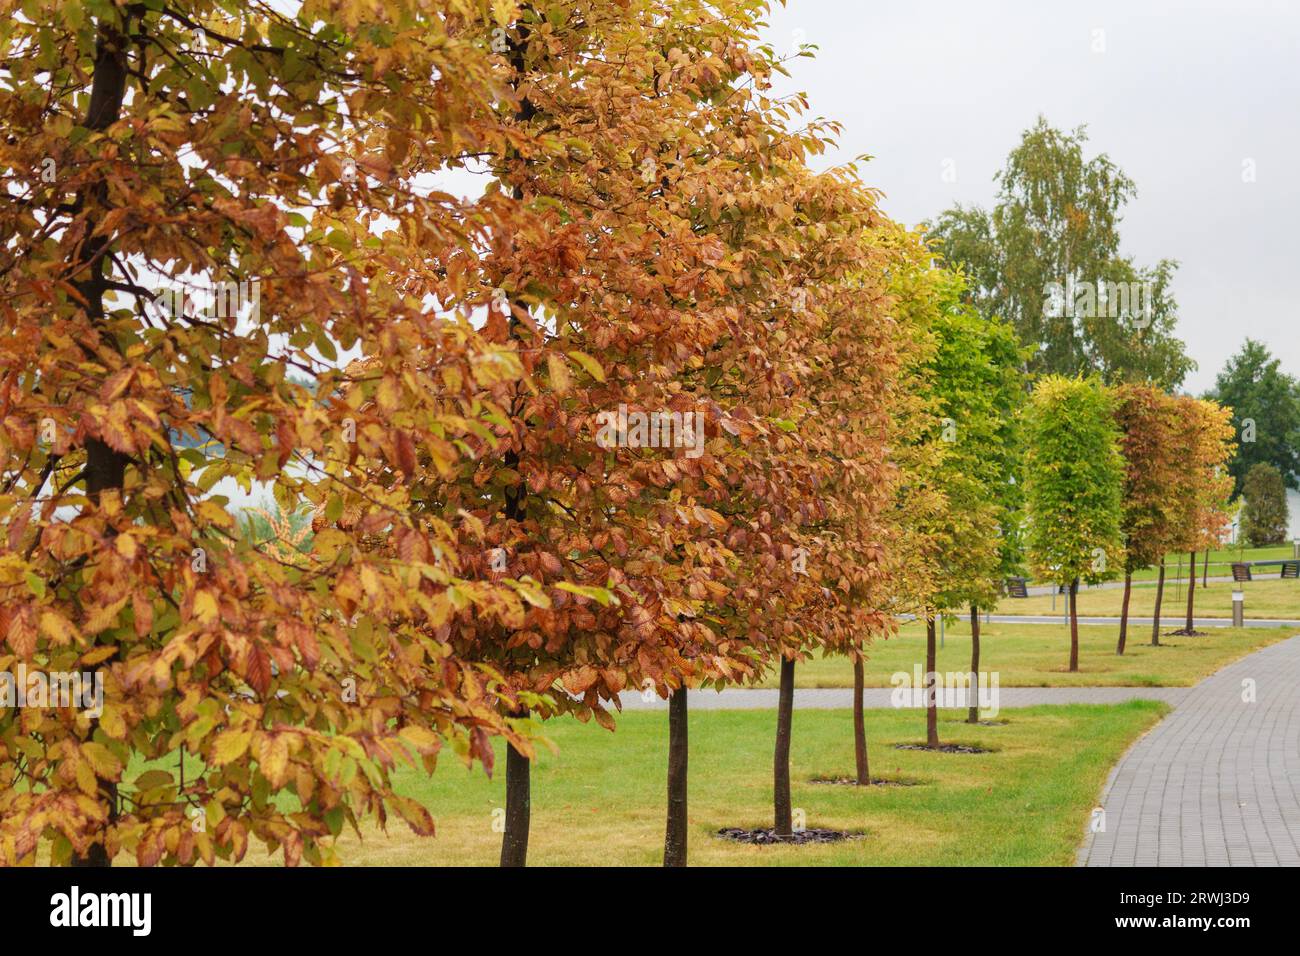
x=193 y=149
x=1265 y=404
x=1264 y=518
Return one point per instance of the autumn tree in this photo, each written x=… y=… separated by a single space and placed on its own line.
x=935 y=504
x=656 y=467
x=834 y=426
x=1203 y=486
x=199 y=216
x=1146 y=417
x=1074 y=481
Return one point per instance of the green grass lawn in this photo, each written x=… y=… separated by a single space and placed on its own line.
x=1221 y=557
x=1037 y=655
x=1268 y=597
x=600 y=800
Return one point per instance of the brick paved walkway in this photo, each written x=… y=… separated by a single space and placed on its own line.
x=1217 y=782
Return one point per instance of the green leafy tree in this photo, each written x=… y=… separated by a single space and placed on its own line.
x=1047 y=254
x=980 y=389
x=1264 y=517
x=1265 y=404
x=1074 y=480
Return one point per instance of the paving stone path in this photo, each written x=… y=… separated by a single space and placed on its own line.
x=1217 y=782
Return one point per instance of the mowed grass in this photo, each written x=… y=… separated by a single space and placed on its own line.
x=600 y=801
x=1038 y=655
x=1270 y=597
x=1220 y=560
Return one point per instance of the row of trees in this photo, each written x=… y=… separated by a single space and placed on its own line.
x=430 y=374
x=658 y=408
x=1119 y=478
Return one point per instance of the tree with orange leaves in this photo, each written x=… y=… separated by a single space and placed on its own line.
x=1202 y=488
x=199 y=216
x=1146 y=417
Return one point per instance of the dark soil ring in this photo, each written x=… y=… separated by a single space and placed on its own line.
x=875 y=782
x=945 y=748
x=765 y=836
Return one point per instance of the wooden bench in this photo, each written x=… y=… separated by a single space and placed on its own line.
x=1291 y=569
x=1016 y=587
x=1241 y=572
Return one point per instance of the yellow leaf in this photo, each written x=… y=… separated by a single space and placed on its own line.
x=389 y=395
x=205 y=607
x=57 y=627
x=588 y=363
x=273 y=758
x=111 y=722
x=103 y=760
x=558 y=370
x=230 y=745
x=421 y=738
x=126 y=546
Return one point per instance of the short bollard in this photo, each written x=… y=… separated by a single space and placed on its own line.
x=1238 y=608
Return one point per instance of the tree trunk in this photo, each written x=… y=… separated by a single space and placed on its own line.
x=781 y=761
x=675 y=832
x=1191 y=595
x=1205 y=570
x=859 y=728
x=1074 y=625
x=974 y=716
x=105 y=468
x=1123 y=610
x=519 y=799
x=1155 y=614
x=931 y=680
x=514 y=842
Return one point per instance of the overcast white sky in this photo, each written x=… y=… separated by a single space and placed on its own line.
x=1182 y=95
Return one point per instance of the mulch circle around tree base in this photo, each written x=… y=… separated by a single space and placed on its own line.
x=979 y=723
x=1183 y=632
x=764 y=836
x=945 y=748
x=875 y=782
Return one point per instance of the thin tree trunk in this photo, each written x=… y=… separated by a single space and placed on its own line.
x=105 y=468
x=931 y=681
x=1123 y=610
x=1191 y=595
x=519 y=799
x=1155 y=614
x=781 y=761
x=974 y=716
x=859 y=727
x=514 y=842
x=675 y=831
x=1205 y=570
x=1074 y=625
